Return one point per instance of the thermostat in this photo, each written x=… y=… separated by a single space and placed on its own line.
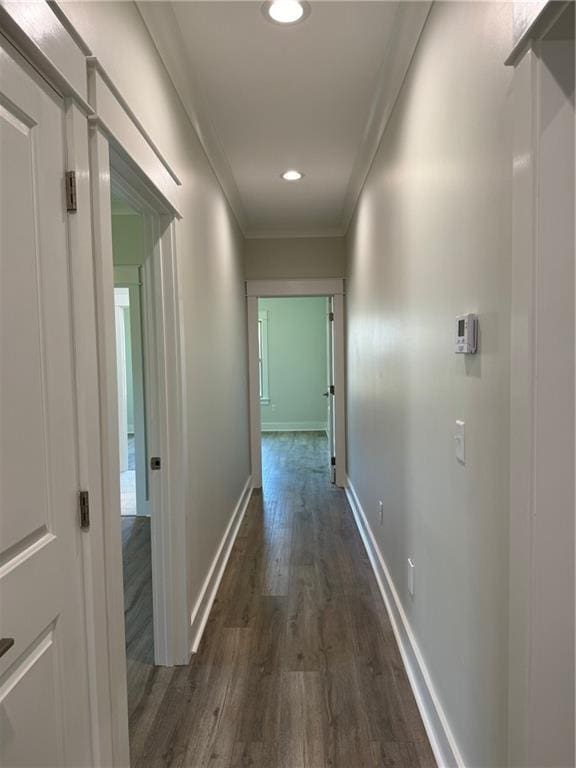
x=466 y=334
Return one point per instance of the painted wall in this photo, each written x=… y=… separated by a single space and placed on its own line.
x=209 y=246
x=297 y=363
x=294 y=257
x=128 y=250
x=127 y=240
x=430 y=239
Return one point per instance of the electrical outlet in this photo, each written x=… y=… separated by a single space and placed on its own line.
x=381 y=511
x=411 y=576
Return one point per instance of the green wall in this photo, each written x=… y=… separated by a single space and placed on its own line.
x=127 y=251
x=297 y=363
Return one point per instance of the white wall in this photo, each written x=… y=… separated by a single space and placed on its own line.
x=430 y=239
x=294 y=257
x=209 y=246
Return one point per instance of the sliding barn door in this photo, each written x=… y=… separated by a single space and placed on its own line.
x=44 y=705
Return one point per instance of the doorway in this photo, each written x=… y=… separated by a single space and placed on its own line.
x=296 y=382
x=297 y=373
x=130 y=257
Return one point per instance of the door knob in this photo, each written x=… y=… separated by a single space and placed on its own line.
x=326 y=394
x=5 y=644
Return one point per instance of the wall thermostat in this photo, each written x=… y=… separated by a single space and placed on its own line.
x=466 y=334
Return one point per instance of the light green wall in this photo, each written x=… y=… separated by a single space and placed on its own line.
x=127 y=250
x=297 y=363
x=127 y=240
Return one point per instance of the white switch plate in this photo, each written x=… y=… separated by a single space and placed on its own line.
x=381 y=510
x=411 y=570
x=460 y=441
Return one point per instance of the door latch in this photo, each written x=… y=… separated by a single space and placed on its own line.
x=155 y=462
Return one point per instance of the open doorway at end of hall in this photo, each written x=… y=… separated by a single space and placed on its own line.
x=296 y=387
x=129 y=308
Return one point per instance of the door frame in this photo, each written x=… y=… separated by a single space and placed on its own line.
x=267 y=289
x=111 y=167
x=537 y=531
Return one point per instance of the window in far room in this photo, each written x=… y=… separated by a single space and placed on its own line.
x=263 y=355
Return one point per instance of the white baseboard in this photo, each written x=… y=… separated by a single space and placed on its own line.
x=294 y=426
x=439 y=733
x=209 y=589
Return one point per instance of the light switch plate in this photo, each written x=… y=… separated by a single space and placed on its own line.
x=460 y=441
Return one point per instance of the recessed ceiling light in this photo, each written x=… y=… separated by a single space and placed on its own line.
x=286 y=11
x=292 y=175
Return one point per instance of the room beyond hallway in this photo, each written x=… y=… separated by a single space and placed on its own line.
x=298 y=666
x=128 y=483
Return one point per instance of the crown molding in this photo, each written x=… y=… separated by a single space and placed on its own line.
x=163 y=27
x=166 y=35
x=409 y=22
x=291 y=234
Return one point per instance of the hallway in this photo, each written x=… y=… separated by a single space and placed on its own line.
x=298 y=665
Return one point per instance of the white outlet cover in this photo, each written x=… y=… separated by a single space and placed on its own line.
x=460 y=441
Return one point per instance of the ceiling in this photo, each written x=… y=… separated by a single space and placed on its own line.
x=266 y=97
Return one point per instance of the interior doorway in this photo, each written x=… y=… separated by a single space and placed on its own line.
x=296 y=380
x=130 y=258
x=296 y=366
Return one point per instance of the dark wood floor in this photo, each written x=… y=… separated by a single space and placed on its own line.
x=137 y=566
x=298 y=667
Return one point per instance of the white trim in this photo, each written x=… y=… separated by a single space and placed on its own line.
x=113 y=119
x=289 y=234
x=166 y=35
x=307 y=287
x=165 y=31
x=93 y=62
x=409 y=22
x=111 y=552
x=435 y=721
x=57 y=56
x=541 y=544
x=162 y=358
x=294 y=426
x=201 y=610
x=89 y=446
x=256 y=289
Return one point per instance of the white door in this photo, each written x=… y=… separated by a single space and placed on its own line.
x=331 y=390
x=44 y=705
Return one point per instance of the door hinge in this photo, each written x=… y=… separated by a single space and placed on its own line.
x=71 y=199
x=331 y=316
x=332 y=389
x=84 y=502
x=333 y=461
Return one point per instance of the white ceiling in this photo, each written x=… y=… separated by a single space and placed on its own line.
x=265 y=97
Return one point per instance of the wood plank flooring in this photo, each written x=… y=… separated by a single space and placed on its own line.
x=137 y=567
x=298 y=666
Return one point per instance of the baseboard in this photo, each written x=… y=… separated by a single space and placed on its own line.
x=212 y=581
x=294 y=426
x=435 y=721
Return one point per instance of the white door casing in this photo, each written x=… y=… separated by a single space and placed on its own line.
x=44 y=693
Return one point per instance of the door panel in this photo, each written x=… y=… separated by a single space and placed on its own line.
x=331 y=379
x=44 y=704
